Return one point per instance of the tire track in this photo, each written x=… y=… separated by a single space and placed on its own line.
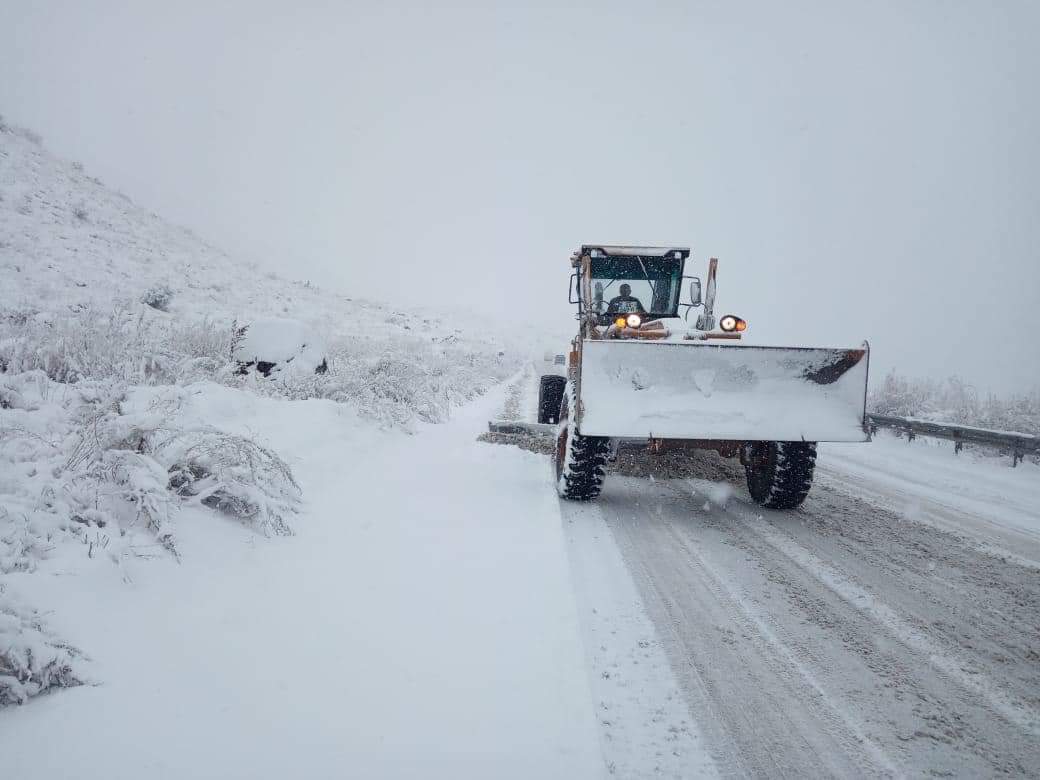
x=838 y=640
x=737 y=671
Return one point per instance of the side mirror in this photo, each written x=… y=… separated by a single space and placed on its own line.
x=695 y=291
x=572 y=292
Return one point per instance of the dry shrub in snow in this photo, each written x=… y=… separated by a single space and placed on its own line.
x=400 y=380
x=158 y=297
x=31 y=660
x=102 y=465
x=390 y=378
x=233 y=475
x=126 y=342
x=75 y=470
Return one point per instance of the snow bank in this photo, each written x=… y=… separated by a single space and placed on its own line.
x=99 y=472
x=420 y=624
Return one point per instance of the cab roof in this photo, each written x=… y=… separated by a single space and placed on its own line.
x=678 y=252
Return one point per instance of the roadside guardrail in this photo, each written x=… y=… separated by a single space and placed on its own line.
x=1019 y=444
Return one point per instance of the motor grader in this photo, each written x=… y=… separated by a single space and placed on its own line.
x=640 y=374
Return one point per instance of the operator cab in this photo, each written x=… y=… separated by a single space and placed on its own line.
x=635 y=280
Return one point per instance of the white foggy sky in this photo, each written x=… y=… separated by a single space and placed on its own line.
x=862 y=170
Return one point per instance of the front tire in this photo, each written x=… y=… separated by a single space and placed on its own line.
x=550 y=398
x=578 y=461
x=779 y=473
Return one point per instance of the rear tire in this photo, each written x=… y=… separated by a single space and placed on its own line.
x=550 y=397
x=578 y=460
x=779 y=473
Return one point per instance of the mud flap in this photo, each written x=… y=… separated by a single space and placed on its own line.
x=693 y=390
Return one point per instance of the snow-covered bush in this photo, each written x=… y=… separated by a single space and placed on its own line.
x=75 y=471
x=233 y=475
x=125 y=342
x=102 y=465
x=158 y=296
x=31 y=660
x=402 y=379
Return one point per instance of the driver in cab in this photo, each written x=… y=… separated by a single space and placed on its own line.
x=625 y=303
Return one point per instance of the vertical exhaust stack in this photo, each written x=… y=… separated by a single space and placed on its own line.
x=706 y=321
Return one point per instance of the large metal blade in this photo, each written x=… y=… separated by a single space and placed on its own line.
x=693 y=390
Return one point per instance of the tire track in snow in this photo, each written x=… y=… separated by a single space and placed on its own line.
x=803 y=643
x=646 y=729
x=1020 y=544
x=1014 y=709
x=751 y=694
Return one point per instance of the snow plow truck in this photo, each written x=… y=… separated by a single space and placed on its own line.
x=640 y=373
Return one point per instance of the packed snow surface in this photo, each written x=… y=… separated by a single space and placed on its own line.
x=425 y=628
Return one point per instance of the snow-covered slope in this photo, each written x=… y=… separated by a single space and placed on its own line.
x=116 y=328
x=78 y=261
x=68 y=242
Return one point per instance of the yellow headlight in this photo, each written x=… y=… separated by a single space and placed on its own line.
x=620 y=322
x=634 y=320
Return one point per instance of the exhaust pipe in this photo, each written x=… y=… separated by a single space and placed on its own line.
x=706 y=320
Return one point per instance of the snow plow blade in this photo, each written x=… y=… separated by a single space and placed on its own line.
x=677 y=390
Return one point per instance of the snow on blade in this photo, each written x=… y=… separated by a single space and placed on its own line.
x=707 y=391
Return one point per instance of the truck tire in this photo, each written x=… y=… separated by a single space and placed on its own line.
x=550 y=397
x=779 y=473
x=578 y=460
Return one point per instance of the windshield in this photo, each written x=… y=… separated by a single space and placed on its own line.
x=622 y=285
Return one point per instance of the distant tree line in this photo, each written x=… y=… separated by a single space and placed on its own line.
x=955 y=400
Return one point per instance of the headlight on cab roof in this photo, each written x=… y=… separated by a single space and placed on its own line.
x=634 y=320
x=730 y=323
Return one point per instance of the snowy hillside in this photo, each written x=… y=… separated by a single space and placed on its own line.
x=118 y=382
x=78 y=262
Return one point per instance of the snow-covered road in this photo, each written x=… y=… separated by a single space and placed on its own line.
x=841 y=640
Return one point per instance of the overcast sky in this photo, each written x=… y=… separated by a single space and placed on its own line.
x=862 y=170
